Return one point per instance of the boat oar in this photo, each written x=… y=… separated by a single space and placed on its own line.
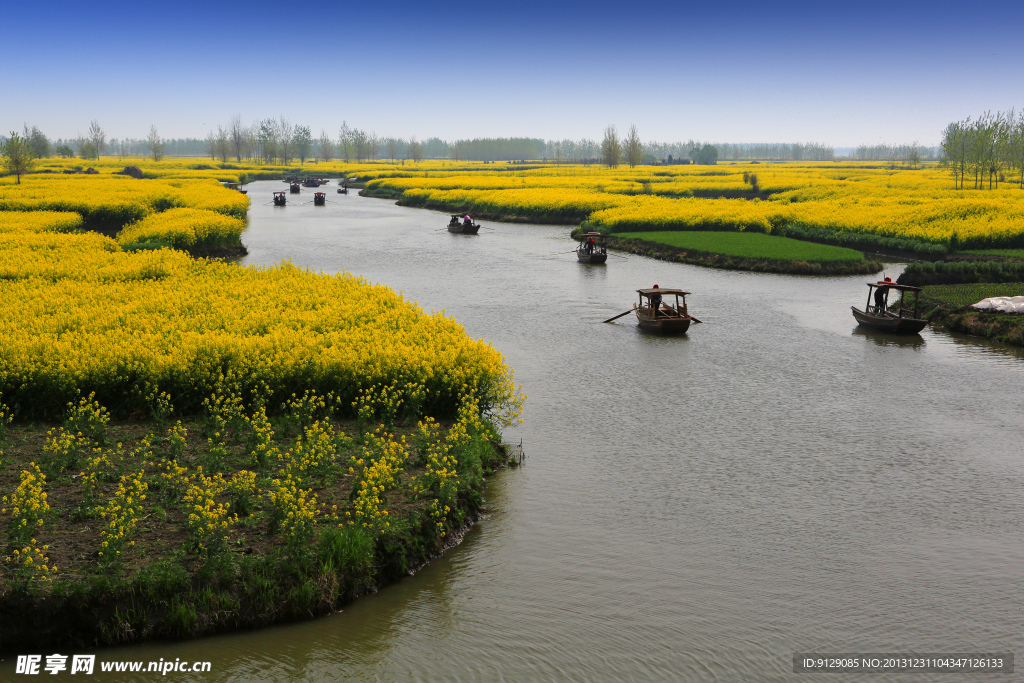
x=618 y=316
x=695 y=320
x=553 y=253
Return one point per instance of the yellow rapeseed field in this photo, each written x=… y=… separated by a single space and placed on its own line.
x=81 y=315
x=918 y=206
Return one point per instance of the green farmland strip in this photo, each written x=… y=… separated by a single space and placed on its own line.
x=753 y=245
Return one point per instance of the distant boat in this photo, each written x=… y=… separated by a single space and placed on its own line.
x=903 y=320
x=319 y=199
x=592 y=248
x=460 y=226
x=654 y=315
x=280 y=199
x=294 y=188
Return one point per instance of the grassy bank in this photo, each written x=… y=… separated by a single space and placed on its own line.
x=119 y=532
x=750 y=245
x=728 y=251
x=962 y=272
x=949 y=307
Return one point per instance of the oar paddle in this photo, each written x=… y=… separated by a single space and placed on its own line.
x=618 y=316
x=695 y=320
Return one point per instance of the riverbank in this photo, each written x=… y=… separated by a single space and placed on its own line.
x=235 y=545
x=949 y=306
x=664 y=252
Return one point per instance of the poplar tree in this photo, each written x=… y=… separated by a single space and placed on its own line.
x=155 y=144
x=325 y=146
x=97 y=137
x=634 y=150
x=611 y=148
x=17 y=156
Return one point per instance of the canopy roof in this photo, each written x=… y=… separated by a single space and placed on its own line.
x=592 y=234
x=882 y=283
x=660 y=290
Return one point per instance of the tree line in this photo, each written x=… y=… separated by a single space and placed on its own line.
x=985 y=149
x=281 y=141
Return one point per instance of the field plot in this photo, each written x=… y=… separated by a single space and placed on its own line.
x=750 y=245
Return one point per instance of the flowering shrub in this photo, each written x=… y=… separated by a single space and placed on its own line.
x=27 y=506
x=121 y=514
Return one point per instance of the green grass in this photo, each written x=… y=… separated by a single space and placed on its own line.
x=753 y=245
x=1009 y=253
x=968 y=294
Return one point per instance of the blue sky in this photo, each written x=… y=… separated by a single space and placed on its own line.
x=840 y=73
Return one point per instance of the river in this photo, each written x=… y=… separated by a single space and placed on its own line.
x=695 y=508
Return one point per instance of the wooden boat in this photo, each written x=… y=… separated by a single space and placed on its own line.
x=311 y=182
x=460 y=227
x=319 y=198
x=902 y=320
x=280 y=199
x=342 y=190
x=294 y=188
x=654 y=315
x=592 y=248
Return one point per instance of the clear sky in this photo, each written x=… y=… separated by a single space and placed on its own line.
x=841 y=73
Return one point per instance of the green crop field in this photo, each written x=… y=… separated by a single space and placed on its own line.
x=753 y=245
x=1010 y=253
x=967 y=294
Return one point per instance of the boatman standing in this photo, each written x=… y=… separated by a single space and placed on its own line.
x=881 y=292
x=655 y=302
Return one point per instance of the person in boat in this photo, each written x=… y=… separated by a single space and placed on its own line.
x=655 y=302
x=590 y=245
x=467 y=221
x=881 y=292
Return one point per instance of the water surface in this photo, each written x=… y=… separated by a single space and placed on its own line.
x=695 y=508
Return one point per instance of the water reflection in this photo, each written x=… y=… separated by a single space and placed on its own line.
x=908 y=341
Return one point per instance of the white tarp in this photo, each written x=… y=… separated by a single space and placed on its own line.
x=1003 y=304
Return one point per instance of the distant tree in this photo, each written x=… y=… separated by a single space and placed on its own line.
x=413 y=150
x=155 y=144
x=251 y=142
x=706 y=154
x=285 y=140
x=360 y=144
x=65 y=151
x=372 y=145
x=222 y=143
x=87 y=150
x=325 y=146
x=346 y=147
x=267 y=137
x=17 y=156
x=1017 y=147
x=236 y=133
x=611 y=148
x=97 y=137
x=211 y=144
x=392 y=145
x=633 y=149
x=39 y=143
x=302 y=142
